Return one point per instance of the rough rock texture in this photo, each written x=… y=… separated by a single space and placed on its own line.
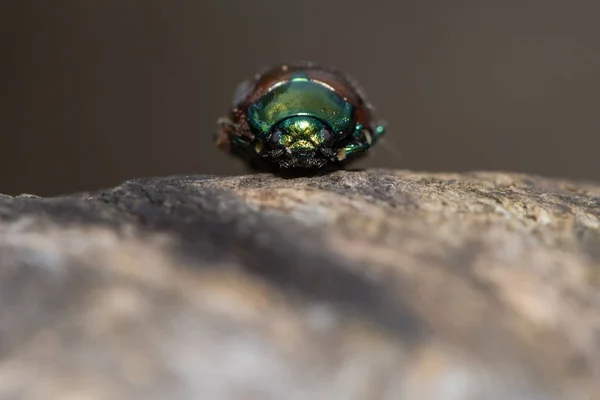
x=355 y=285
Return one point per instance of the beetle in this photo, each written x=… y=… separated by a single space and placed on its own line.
x=301 y=116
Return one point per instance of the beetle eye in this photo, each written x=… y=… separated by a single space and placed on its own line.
x=326 y=135
x=275 y=137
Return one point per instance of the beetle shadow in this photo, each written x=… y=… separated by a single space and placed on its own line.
x=295 y=173
x=258 y=166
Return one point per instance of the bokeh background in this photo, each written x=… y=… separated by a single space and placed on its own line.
x=97 y=92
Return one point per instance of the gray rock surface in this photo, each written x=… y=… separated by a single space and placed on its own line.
x=370 y=284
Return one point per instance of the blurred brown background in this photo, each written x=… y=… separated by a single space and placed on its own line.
x=96 y=92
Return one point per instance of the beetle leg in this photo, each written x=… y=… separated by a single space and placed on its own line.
x=361 y=141
x=240 y=141
x=353 y=149
x=226 y=127
x=230 y=139
x=379 y=130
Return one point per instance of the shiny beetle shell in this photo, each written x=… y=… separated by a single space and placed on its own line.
x=299 y=116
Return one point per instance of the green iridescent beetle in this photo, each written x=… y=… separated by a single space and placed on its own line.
x=299 y=116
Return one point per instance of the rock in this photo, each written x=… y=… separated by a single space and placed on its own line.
x=354 y=285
